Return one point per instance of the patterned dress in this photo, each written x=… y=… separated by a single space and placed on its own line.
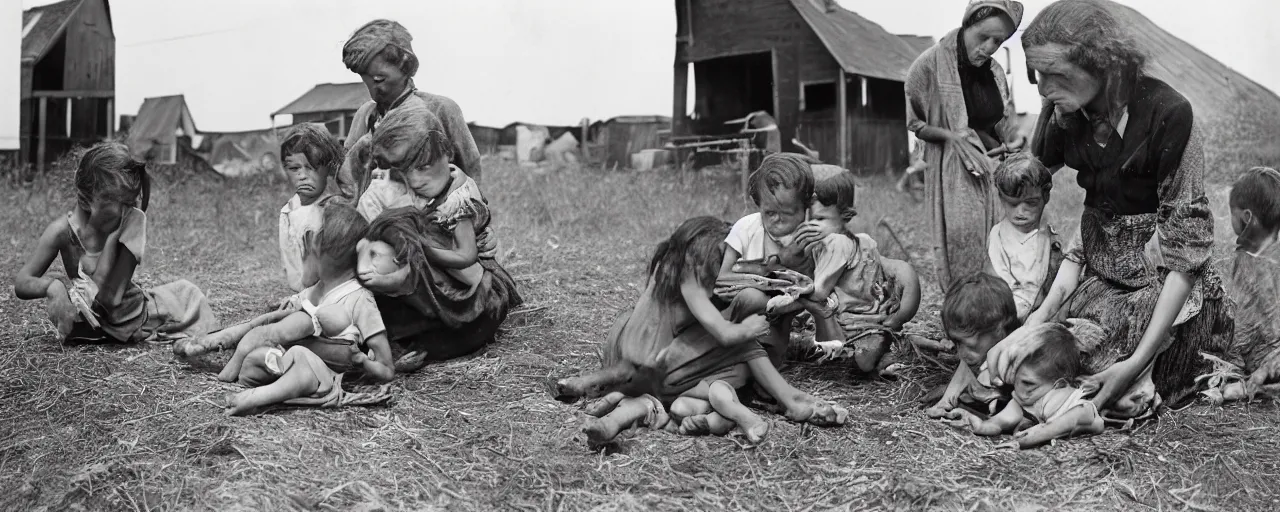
x=1147 y=180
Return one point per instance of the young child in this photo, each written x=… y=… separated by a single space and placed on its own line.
x=334 y=327
x=674 y=347
x=1253 y=364
x=442 y=297
x=311 y=156
x=1023 y=249
x=875 y=296
x=102 y=241
x=977 y=312
x=1043 y=373
x=782 y=188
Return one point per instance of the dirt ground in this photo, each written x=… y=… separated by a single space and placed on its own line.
x=108 y=427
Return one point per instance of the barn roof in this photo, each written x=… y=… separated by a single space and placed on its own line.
x=328 y=98
x=46 y=22
x=859 y=45
x=158 y=120
x=918 y=43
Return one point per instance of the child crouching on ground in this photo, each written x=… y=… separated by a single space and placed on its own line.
x=102 y=242
x=1023 y=250
x=977 y=312
x=1253 y=363
x=674 y=347
x=311 y=158
x=1043 y=367
x=874 y=296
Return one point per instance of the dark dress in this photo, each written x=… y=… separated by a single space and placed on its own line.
x=1147 y=182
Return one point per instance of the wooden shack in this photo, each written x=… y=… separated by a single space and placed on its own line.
x=802 y=61
x=333 y=105
x=486 y=138
x=612 y=142
x=68 y=78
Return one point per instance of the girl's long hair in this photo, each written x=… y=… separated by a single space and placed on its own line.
x=695 y=250
x=110 y=169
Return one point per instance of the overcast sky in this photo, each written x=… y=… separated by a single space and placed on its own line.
x=544 y=61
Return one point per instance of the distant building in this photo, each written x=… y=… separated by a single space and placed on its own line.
x=67 y=79
x=333 y=105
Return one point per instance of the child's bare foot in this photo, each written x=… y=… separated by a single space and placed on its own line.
x=604 y=405
x=695 y=426
x=411 y=361
x=805 y=408
x=601 y=431
x=755 y=433
x=724 y=399
x=240 y=404
x=868 y=350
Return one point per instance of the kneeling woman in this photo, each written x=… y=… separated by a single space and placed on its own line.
x=439 y=298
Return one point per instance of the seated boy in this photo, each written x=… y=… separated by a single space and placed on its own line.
x=1023 y=250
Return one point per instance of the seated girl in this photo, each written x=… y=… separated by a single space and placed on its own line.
x=675 y=349
x=102 y=242
x=298 y=356
x=875 y=296
x=441 y=297
x=1253 y=362
x=1044 y=371
x=311 y=158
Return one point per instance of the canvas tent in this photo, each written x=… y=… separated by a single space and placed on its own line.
x=162 y=124
x=246 y=153
x=612 y=142
x=333 y=105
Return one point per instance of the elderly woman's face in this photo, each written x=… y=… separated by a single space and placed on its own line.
x=1068 y=86
x=385 y=80
x=985 y=37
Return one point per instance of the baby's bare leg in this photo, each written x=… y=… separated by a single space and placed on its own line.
x=696 y=416
x=225 y=338
x=630 y=412
x=298 y=381
x=292 y=328
x=724 y=399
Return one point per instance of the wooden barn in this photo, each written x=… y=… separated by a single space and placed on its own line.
x=612 y=142
x=486 y=138
x=803 y=61
x=68 y=78
x=333 y=105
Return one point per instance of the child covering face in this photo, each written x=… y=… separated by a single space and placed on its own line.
x=311 y=157
x=102 y=241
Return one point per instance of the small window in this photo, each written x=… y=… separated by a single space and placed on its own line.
x=817 y=96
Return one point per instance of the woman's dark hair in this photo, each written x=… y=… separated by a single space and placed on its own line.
x=1258 y=190
x=979 y=303
x=316 y=143
x=109 y=169
x=695 y=249
x=1095 y=41
x=1056 y=358
x=782 y=170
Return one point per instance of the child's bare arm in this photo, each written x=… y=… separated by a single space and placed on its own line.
x=380 y=365
x=731 y=256
x=30 y=282
x=1080 y=420
x=464 y=236
x=725 y=332
x=910 y=303
x=1004 y=422
x=1064 y=284
x=951 y=397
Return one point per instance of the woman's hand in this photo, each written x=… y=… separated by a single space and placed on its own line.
x=385 y=284
x=1110 y=385
x=486 y=241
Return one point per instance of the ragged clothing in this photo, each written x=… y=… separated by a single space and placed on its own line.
x=170 y=311
x=863 y=286
x=329 y=392
x=358 y=303
x=296 y=220
x=1027 y=262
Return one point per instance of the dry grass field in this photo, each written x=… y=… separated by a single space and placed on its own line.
x=130 y=428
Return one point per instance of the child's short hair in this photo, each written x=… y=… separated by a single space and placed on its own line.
x=1056 y=356
x=979 y=303
x=1258 y=190
x=340 y=231
x=109 y=169
x=315 y=142
x=834 y=186
x=695 y=249
x=1021 y=174
x=385 y=38
x=782 y=170
x=412 y=124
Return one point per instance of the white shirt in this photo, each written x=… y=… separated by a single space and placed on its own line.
x=295 y=221
x=1022 y=261
x=748 y=237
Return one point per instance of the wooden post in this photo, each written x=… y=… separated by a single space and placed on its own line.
x=111 y=118
x=69 y=118
x=342 y=126
x=42 y=134
x=679 y=103
x=582 y=144
x=744 y=148
x=842 y=108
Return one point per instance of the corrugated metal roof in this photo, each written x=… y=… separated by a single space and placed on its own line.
x=328 y=98
x=859 y=45
x=158 y=121
x=640 y=119
x=918 y=43
x=50 y=21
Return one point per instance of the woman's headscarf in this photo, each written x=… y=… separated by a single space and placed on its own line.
x=369 y=41
x=1009 y=7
